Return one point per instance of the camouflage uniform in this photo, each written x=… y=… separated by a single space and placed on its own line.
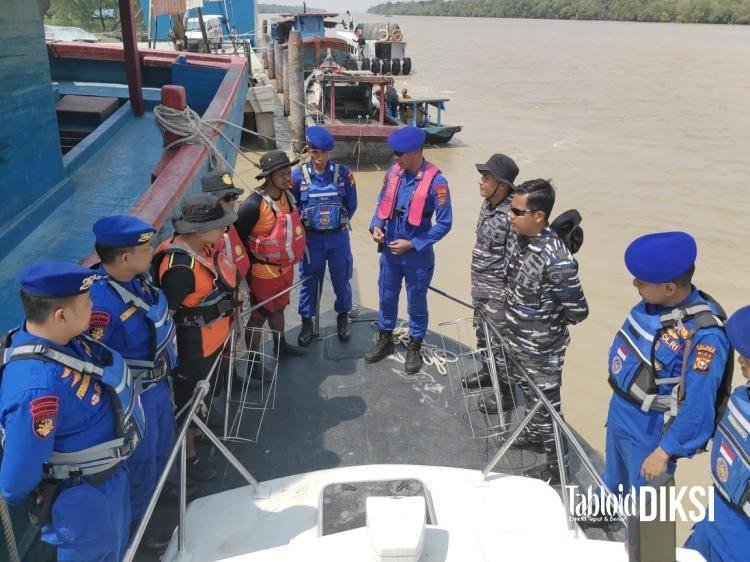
x=488 y=273
x=543 y=295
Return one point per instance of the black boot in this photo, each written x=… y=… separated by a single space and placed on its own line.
x=306 y=332
x=382 y=348
x=285 y=349
x=413 y=356
x=479 y=379
x=546 y=472
x=342 y=326
x=488 y=404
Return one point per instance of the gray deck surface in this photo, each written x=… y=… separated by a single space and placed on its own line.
x=335 y=410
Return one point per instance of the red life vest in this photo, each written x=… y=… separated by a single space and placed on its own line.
x=418 y=199
x=232 y=246
x=285 y=245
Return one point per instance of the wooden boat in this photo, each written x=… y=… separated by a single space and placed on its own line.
x=416 y=111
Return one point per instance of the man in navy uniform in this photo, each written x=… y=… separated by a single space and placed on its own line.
x=131 y=316
x=543 y=296
x=727 y=537
x=488 y=262
x=70 y=417
x=327 y=198
x=413 y=191
x=669 y=365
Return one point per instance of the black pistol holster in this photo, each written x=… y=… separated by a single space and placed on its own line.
x=46 y=493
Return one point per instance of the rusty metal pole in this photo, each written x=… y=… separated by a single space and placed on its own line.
x=285 y=79
x=279 y=57
x=132 y=60
x=296 y=91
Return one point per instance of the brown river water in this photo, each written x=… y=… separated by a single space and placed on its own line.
x=641 y=127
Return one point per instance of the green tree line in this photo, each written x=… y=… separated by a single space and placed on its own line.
x=680 y=11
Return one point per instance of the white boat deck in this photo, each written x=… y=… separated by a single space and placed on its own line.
x=503 y=518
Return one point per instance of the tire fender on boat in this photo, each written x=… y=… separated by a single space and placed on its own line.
x=397 y=35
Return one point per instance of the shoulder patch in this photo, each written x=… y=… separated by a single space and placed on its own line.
x=43 y=413
x=441 y=193
x=704 y=356
x=555 y=275
x=99 y=319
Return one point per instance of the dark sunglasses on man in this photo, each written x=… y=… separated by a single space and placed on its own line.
x=229 y=197
x=520 y=212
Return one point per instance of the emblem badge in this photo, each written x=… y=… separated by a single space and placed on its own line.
x=145 y=237
x=722 y=469
x=226 y=179
x=43 y=412
x=616 y=365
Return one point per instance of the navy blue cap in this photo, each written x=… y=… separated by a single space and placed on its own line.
x=56 y=279
x=661 y=257
x=738 y=331
x=122 y=231
x=406 y=139
x=319 y=138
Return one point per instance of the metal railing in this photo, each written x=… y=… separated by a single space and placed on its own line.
x=560 y=427
x=200 y=392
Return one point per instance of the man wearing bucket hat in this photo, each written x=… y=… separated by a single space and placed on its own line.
x=201 y=289
x=669 y=365
x=219 y=184
x=327 y=198
x=727 y=536
x=269 y=223
x=488 y=264
x=413 y=191
x=70 y=416
x=131 y=316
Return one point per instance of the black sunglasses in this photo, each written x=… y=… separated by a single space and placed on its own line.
x=398 y=154
x=228 y=198
x=521 y=212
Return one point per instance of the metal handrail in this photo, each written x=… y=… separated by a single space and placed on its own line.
x=201 y=390
x=559 y=425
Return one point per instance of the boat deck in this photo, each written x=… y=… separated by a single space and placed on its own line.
x=123 y=154
x=334 y=410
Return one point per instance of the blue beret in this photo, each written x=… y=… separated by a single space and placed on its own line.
x=56 y=279
x=660 y=257
x=738 y=331
x=319 y=138
x=122 y=231
x=406 y=139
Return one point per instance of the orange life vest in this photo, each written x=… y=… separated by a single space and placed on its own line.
x=285 y=245
x=418 y=199
x=210 y=306
x=232 y=246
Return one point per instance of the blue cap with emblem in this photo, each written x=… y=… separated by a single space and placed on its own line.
x=406 y=139
x=56 y=279
x=122 y=231
x=319 y=138
x=661 y=257
x=738 y=331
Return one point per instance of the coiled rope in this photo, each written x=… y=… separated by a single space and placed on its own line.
x=432 y=355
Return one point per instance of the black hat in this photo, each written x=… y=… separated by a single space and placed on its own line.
x=501 y=167
x=568 y=227
x=219 y=183
x=272 y=161
x=202 y=213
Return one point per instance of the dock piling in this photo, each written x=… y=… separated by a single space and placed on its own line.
x=296 y=91
x=285 y=79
